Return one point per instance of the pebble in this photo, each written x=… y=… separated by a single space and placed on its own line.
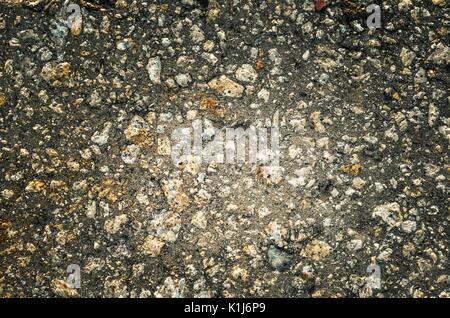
x=407 y=56
x=55 y=73
x=35 y=186
x=138 y=132
x=197 y=34
x=154 y=70
x=130 y=154
x=408 y=226
x=316 y=250
x=278 y=259
x=264 y=94
x=113 y=225
x=175 y=195
x=246 y=73
x=441 y=54
x=101 y=137
x=152 y=246
x=183 y=80
x=91 y=209
x=388 y=213
x=226 y=87
x=421 y=76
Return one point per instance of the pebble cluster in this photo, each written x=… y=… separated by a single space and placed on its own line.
x=87 y=109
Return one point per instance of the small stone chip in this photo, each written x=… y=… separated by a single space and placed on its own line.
x=3 y=99
x=61 y=288
x=352 y=169
x=246 y=73
x=316 y=250
x=113 y=226
x=152 y=246
x=154 y=70
x=53 y=73
x=226 y=87
x=278 y=258
x=35 y=186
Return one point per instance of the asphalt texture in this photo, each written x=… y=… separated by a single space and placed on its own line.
x=357 y=207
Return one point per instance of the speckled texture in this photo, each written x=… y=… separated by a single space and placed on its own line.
x=86 y=115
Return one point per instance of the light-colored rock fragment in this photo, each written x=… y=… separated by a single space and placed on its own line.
x=358 y=183
x=246 y=73
x=409 y=226
x=154 y=70
x=226 y=86
x=130 y=154
x=54 y=73
x=385 y=255
x=152 y=246
x=197 y=34
x=278 y=259
x=441 y=55
x=113 y=225
x=166 y=226
x=404 y=5
x=138 y=132
x=407 y=56
x=75 y=19
x=199 y=220
x=317 y=123
x=183 y=80
x=438 y=2
x=101 y=137
x=7 y=194
x=270 y=174
x=388 y=213
x=91 y=209
x=264 y=94
x=355 y=245
x=316 y=250
x=171 y=288
x=35 y=186
x=175 y=195
x=239 y=273
x=61 y=288
x=421 y=76
x=433 y=114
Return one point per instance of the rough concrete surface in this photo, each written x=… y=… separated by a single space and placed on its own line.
x=87 y=109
